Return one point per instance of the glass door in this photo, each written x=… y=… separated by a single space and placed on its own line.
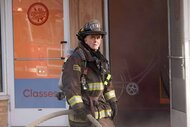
x=38 y=30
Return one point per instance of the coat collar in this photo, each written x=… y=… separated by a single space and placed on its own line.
x=87 y=53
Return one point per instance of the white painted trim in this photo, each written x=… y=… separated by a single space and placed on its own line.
x=7 y=53
x=106 y=23
x=66 y=34
x=169 y=53
x=4 y=97
x=66 y=28
x=187 y=63
x=2 y=5
x=3 y=48
x=9 y=48
x=186 y=5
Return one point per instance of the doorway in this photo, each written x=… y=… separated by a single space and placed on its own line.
x=39 y=34
x=139 y=62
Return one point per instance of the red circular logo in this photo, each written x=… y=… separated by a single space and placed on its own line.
x=38 y=13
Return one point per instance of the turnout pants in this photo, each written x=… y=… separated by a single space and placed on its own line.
x=105 y=122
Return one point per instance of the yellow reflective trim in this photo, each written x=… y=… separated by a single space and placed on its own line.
x=110 y=94
x=75 y=100
x=76 y=68
x=108 y=77
x=95 y=86
x=103 y=113
x=105 y=83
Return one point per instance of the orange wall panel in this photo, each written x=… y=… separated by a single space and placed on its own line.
x=38 y=31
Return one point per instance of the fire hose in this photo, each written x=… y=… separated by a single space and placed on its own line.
x=60 y=113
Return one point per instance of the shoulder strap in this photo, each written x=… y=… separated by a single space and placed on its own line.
x=84 y=70
x=82 y=55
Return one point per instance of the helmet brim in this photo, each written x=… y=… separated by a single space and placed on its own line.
x=95 y=33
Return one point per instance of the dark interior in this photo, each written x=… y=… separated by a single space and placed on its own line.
x=138 y=32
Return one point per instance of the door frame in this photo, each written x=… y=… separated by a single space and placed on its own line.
x=186 y=4
x=178 y=117
x=10 y=71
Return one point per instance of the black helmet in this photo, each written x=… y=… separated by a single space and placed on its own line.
x=91 y=28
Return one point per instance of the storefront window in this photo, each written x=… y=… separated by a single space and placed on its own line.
x=37 y=52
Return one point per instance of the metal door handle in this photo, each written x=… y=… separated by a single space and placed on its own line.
x=62 y=46
x=176 y=57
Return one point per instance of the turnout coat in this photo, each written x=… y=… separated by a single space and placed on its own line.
x=87 y=83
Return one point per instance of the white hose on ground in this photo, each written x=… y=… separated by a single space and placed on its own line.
x=60 y=113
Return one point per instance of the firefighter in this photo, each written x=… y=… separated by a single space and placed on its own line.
x=86 y=80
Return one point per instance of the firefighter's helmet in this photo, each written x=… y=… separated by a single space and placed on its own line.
x=92 y=27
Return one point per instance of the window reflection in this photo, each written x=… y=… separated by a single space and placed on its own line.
x=38 y=31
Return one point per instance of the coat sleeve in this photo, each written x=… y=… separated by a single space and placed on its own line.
x=109 y=92
x=71 y=81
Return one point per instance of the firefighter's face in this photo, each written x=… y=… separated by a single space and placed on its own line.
x=93 y=41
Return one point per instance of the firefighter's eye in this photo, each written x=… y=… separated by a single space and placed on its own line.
x=96 y=36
